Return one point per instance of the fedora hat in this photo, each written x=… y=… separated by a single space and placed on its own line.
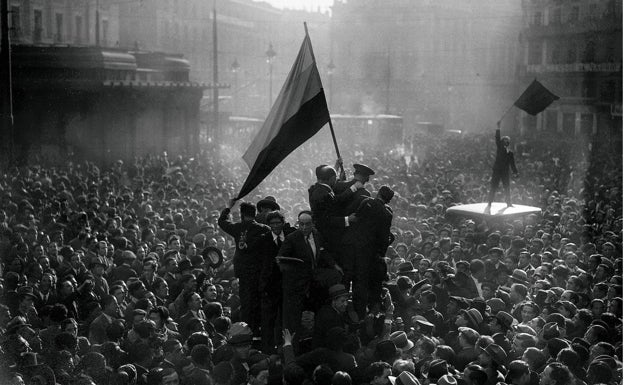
x=405 y=378
x=268 y=202
x=462 y=302
x=26 y=291
x=213 y=256
x=401 y=341
x=338 y=290
x=505 y=319
x=496 y=352
x=473 y=316
x=386 y=350
x=520 y=276
x=406 y=268
x=447 y=379
x=437 y=369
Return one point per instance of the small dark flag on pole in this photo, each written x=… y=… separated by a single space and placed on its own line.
x=298 y=113
x=535 y=98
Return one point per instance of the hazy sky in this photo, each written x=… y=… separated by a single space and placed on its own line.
x=301 y=4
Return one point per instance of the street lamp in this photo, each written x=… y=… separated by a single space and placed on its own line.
x=270 y=54
x=330 y=71
x=235 y=67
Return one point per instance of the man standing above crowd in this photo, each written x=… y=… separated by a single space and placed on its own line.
x=247 y=263
x=500 y=171
x=364 y=246
x=324 y=204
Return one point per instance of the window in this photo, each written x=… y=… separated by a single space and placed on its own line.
x=574 y=14
x=551 y=121
x=38 y=25
x=78 y=26
x=555 y=16
x=537 y=18
x=589 y=55
x=571 y=55
x=105 y=32
x=16 y=25
x=58 y=37
x=593 y=11
x=568 y=123
x=535 y=53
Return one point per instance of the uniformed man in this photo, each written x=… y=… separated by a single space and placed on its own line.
x=361 y=174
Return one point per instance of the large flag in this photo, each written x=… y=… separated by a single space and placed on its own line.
x=299 y=112
x=535 y=98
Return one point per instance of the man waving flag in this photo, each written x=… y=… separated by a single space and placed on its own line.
x=299 y=112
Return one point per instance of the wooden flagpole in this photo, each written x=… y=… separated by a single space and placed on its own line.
x=331 y=126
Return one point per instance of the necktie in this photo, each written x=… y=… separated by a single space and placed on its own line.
x=278 y=241
x=311 y=250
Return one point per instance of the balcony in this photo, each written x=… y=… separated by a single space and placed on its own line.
x=607 y=23
x=573 y=67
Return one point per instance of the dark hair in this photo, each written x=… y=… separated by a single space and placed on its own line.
x=294 y=374
x=162 y=312
x=222 y=324
x=560 y=373
x=517 y=369
x=308 y=212
x=375 y=369
x=341 y=378
x=322 y=375
x=200 y=354
x=58 y=313
x=446 y=353
x=247 y=209
x=213 y=309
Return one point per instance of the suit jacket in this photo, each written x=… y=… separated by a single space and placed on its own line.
x=295 y=246
x=325 y=206
x=504 y=158
x=326 y=319
x=270 y=274
x=246 y=235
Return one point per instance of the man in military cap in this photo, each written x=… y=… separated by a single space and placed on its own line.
x=362 y=174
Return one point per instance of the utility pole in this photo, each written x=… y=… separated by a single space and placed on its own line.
x=215 y=74
x=6 y=86
x=388 y=79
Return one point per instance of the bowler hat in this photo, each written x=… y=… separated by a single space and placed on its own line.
x=363 y=169
x=240 y=334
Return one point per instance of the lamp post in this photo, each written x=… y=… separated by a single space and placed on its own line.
x=330 y=72
x=235 y=67
x=270 y=55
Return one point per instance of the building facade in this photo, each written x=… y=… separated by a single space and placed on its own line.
x=245 y=29
x=64 y=22
x=575 y=49
x=450 y=62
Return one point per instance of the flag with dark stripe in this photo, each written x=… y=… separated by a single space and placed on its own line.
x=535 y=98
x=299 y=112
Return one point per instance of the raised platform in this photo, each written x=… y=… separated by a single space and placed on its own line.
x=498 y=210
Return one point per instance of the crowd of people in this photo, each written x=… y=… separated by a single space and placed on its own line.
x=147 y=272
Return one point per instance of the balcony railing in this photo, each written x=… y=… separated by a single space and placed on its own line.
x=596 y=24
x=574 y=67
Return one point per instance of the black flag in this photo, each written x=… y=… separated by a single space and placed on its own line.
x=535 y=98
